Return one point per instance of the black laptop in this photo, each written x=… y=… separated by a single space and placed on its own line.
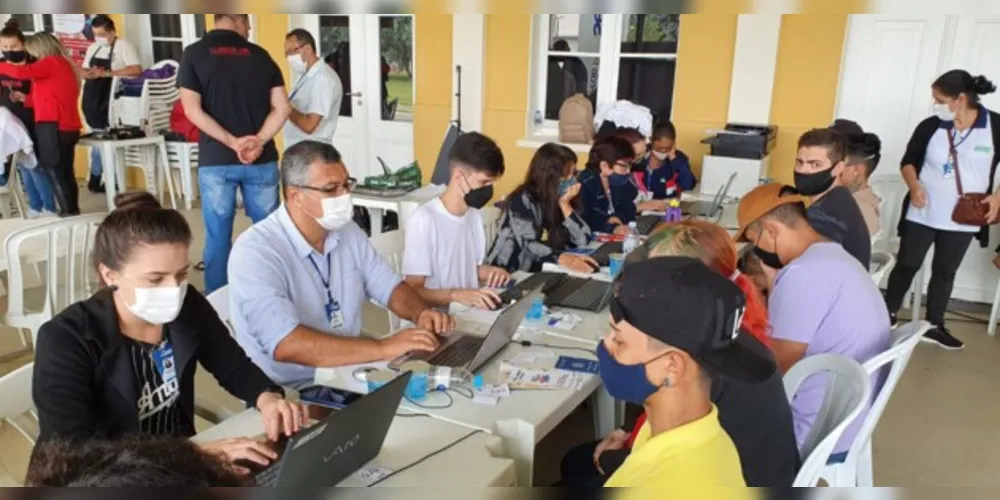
x=337 y=446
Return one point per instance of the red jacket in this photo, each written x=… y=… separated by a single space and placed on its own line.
x=55 y=90
x=179 y=123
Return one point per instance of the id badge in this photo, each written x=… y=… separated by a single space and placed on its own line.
x=336 y=315
x=949 y=171
x=163 y=357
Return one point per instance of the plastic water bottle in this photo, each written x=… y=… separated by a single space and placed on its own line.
x=441 y=378
x=631 y=239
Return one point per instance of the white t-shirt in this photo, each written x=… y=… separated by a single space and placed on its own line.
x=975 y=155
x=124 y=56
x=319 y=91
x=445 y=248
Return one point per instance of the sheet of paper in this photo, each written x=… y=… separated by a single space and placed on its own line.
x=369 y=475
x=517 y=377
x=494 y=390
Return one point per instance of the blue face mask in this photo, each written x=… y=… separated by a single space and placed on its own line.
x=565 y=184
x=619 y=180
x=624 y=382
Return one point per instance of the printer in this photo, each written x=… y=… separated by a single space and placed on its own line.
x=740 y=148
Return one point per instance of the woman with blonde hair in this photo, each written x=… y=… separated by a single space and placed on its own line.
x=55 y=89
x=756 y=416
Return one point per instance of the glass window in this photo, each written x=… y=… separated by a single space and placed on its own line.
x=335 y=49
x=396 y=49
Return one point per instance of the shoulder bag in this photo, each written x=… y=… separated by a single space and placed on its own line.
x=971 y=209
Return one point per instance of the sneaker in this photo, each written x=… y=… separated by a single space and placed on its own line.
x=942 y=337
x=31 y=214
x=893 y=321
x=45 y=214
x=94 y=185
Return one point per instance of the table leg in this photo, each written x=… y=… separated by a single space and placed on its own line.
x=608 y=413
x=375 y=214
x=164 y=168
x=110 y=162
x=519 y=441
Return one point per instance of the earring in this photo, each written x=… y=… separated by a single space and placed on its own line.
x=667 y=383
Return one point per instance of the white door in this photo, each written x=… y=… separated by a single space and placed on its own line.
x=889 y=64
x=360 y=48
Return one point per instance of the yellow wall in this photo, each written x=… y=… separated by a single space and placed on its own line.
x=433 y=99
x=805 y=82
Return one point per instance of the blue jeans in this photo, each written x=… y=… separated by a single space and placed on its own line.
x=218 y=184
x=38 y=187
x=96 y=165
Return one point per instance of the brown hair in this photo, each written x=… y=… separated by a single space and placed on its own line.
x=138 y=219
x=12 y=29
x=834 y=142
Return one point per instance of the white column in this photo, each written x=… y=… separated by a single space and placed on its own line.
x=754 y=63
x=468 y=51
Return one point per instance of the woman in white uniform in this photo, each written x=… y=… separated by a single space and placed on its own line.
x=963 y=124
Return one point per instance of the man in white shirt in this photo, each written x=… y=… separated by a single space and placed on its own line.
x=445 y=239
x=108 y=57
x=316 y=92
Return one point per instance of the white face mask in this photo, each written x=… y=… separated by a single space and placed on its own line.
x=942 y=112
x=297 y=64
x=159 y=305
x=660 y=156
x=102 y=41
x=337 y=212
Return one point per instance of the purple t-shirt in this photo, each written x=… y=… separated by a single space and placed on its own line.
x=826 y=299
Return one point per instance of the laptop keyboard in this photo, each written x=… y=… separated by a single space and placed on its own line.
x=459 y=353
x=542 y=279
x=588 y=296
x=268 y=477
x=603 y=253
x=645 y=223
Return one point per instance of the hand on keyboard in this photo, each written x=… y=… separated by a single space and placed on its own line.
x=241 y=450
x=407 y=341
x=579 y=263
x=482 y=299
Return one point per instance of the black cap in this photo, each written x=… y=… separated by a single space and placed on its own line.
x=683 y=303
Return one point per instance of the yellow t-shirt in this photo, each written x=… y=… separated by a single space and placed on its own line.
x=699 y=457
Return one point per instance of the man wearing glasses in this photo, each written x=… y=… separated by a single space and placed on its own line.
x=299 y=279
x=315 y=94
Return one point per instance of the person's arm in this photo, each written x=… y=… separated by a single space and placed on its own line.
x=280 y=107
x=223 y=357
x=435 y=298
x=133 y=71
x=796 y=308
x=685 y=176
x=319 y=105
x=62 y=388
x=306 y=122
x=598 y=221
x=406 y=303
x=260 y=295
x=129 y=56
x=41 y=69
x=624 y=201
x=526 y=235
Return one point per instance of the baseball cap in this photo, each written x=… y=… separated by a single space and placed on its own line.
x=761 y=200
x=683 y=303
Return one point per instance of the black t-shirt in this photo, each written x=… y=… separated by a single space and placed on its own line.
x=8 y=85
x=158 y=405
x=838 y=218
x=758 y=419
x=234 y=78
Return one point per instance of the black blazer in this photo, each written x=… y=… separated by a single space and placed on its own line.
x=84 y=384
x=916 y=150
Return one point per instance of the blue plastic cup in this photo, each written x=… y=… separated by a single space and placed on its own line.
x=537 y=309
x=615 y=262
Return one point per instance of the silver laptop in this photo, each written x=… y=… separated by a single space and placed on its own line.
x=471 y=351
x=702 y=208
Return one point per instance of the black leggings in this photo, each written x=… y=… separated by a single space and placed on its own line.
x=578 y=470
x=56 y=151
x=949 y=250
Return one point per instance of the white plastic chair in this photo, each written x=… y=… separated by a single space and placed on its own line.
x=994 y=312
x=491 y=224
x=881 y=265
x=390 y=246
x=183 y=158
x=12 y=195
x=857 y=469
x=848 y=389
x=213 y=411
x=151 y=112
x=18 y=410
x=66 y=250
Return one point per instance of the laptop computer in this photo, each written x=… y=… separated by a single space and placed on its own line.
x=471 y=351
x=580 y=293
x=702 y=208
x=337 y=446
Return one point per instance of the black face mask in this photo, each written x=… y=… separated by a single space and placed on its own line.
x=15 y=56
x=813 y=184
x=478 y=198
x=770 y=259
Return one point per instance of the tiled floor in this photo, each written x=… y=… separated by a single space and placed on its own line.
x=938 y=429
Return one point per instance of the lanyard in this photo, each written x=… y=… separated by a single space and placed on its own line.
x=295 y=90
x=326 y=282
x=958 y=140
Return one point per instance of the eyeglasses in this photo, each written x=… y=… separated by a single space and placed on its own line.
x=336 y=189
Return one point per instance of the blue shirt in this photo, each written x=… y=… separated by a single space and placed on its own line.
x=597 y=209
x=274 y=288
x=657 y=181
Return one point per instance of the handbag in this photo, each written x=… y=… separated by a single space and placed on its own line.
x=970 y=209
